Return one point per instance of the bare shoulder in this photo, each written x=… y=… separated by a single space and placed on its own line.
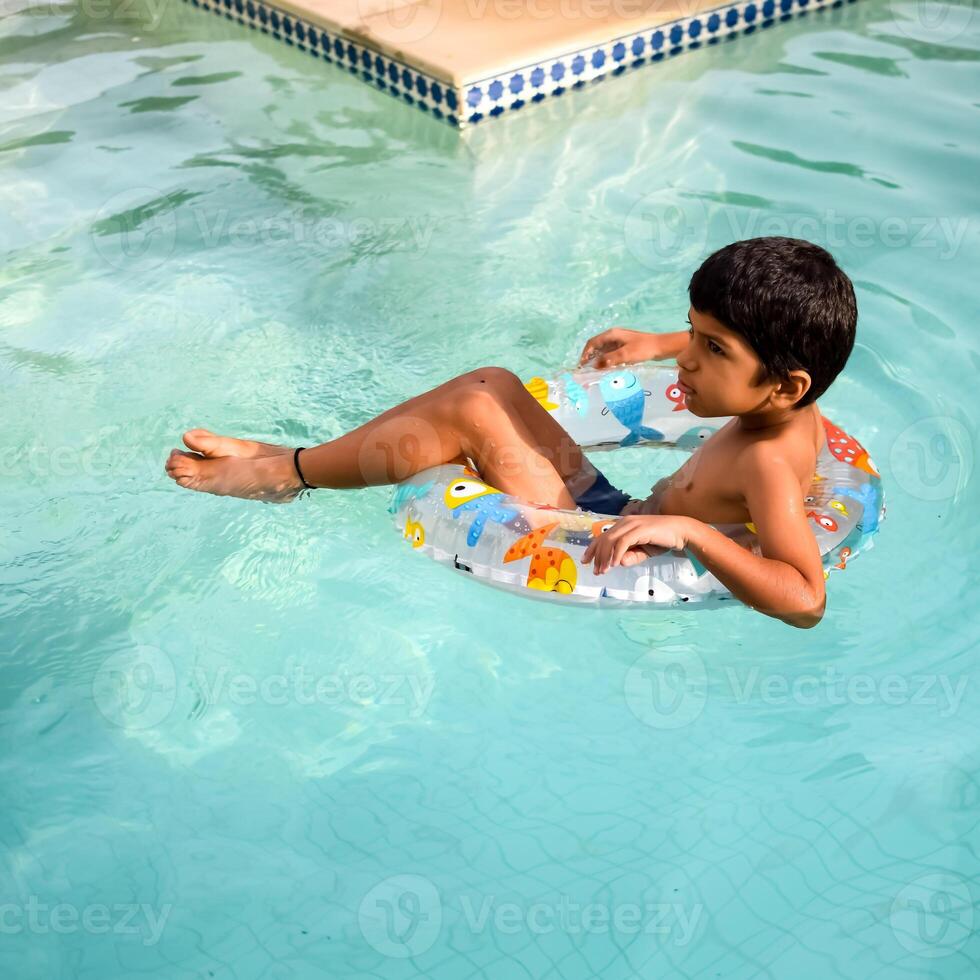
x=791 y=451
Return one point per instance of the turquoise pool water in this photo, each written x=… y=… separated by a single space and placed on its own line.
x=246 y=741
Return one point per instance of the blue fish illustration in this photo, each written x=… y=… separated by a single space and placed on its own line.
x=625 y=398
x=867 y=496
x=695 y=437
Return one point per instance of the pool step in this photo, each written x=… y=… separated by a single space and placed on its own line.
x=464 y=61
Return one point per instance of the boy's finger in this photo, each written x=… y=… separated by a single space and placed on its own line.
x=592 y=345
x=606 y=562
x=619 y=550
x=597 y=561
x=633 y=558
x=611 y=359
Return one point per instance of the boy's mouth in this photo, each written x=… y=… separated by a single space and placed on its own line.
x=687 y=389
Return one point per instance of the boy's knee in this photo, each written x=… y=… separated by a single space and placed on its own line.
x=478 y=403
x=497 y=379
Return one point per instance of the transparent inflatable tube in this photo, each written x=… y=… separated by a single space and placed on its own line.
x=450 y=514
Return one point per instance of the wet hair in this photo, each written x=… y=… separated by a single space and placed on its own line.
x=789 y=300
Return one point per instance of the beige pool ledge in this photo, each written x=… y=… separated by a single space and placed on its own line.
x=490 y=56
x=462 y=41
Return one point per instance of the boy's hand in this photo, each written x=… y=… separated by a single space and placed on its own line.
x=632 y=540
x=621 y=346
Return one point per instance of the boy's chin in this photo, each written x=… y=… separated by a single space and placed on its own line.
x=695 y=407
x=692 y=407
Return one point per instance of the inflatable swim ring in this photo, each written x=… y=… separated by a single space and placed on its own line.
x=450 y=514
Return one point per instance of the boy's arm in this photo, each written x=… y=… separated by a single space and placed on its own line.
x=621 y=346
x=787 y=580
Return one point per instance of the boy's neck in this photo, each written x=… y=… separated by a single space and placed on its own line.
x=772 y=418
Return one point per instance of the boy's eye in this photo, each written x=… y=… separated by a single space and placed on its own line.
x=712 y=346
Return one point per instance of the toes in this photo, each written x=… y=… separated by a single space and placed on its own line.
x=201 y=440
x=181 y=464
x=176 y=455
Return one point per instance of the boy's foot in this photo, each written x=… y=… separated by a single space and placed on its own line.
x=210 y=444
x=270 y=478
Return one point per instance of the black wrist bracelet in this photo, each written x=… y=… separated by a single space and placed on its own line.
x=299 y=472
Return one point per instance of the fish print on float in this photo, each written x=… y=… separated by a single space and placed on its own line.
x=625 y=397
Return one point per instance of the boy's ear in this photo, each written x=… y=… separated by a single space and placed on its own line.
x=790 y=390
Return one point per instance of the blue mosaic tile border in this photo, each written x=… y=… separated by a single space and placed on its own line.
x=433 y=95
x=492 y=96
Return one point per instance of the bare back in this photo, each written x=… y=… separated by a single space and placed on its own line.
x=707 y=487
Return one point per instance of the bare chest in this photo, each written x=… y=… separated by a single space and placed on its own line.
x=704 y=488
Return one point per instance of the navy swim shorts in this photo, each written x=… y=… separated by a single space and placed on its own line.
x=602 y=497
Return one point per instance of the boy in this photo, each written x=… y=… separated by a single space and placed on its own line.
x=772 y=323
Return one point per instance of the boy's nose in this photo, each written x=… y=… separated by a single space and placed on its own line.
x=685 y=358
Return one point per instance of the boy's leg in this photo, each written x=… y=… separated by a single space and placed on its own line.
x=572 y=464
x=486 y=415
x=478 y=415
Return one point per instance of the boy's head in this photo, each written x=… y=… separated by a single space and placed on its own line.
x=787 y=318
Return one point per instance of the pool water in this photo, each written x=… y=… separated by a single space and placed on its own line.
x=244 y=740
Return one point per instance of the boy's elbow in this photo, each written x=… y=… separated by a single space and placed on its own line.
x=808 y=616
x=804 y=621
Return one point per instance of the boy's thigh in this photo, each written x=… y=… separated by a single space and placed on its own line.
x=494 y=402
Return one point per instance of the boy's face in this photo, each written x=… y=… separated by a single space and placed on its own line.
x=720 y=366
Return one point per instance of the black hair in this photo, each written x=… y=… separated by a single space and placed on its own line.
x=790 y=301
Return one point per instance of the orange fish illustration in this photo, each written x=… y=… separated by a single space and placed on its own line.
x=845 y=553
x=675 y=395
x=551 y=570
x=846 y=449
x=824 y=520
